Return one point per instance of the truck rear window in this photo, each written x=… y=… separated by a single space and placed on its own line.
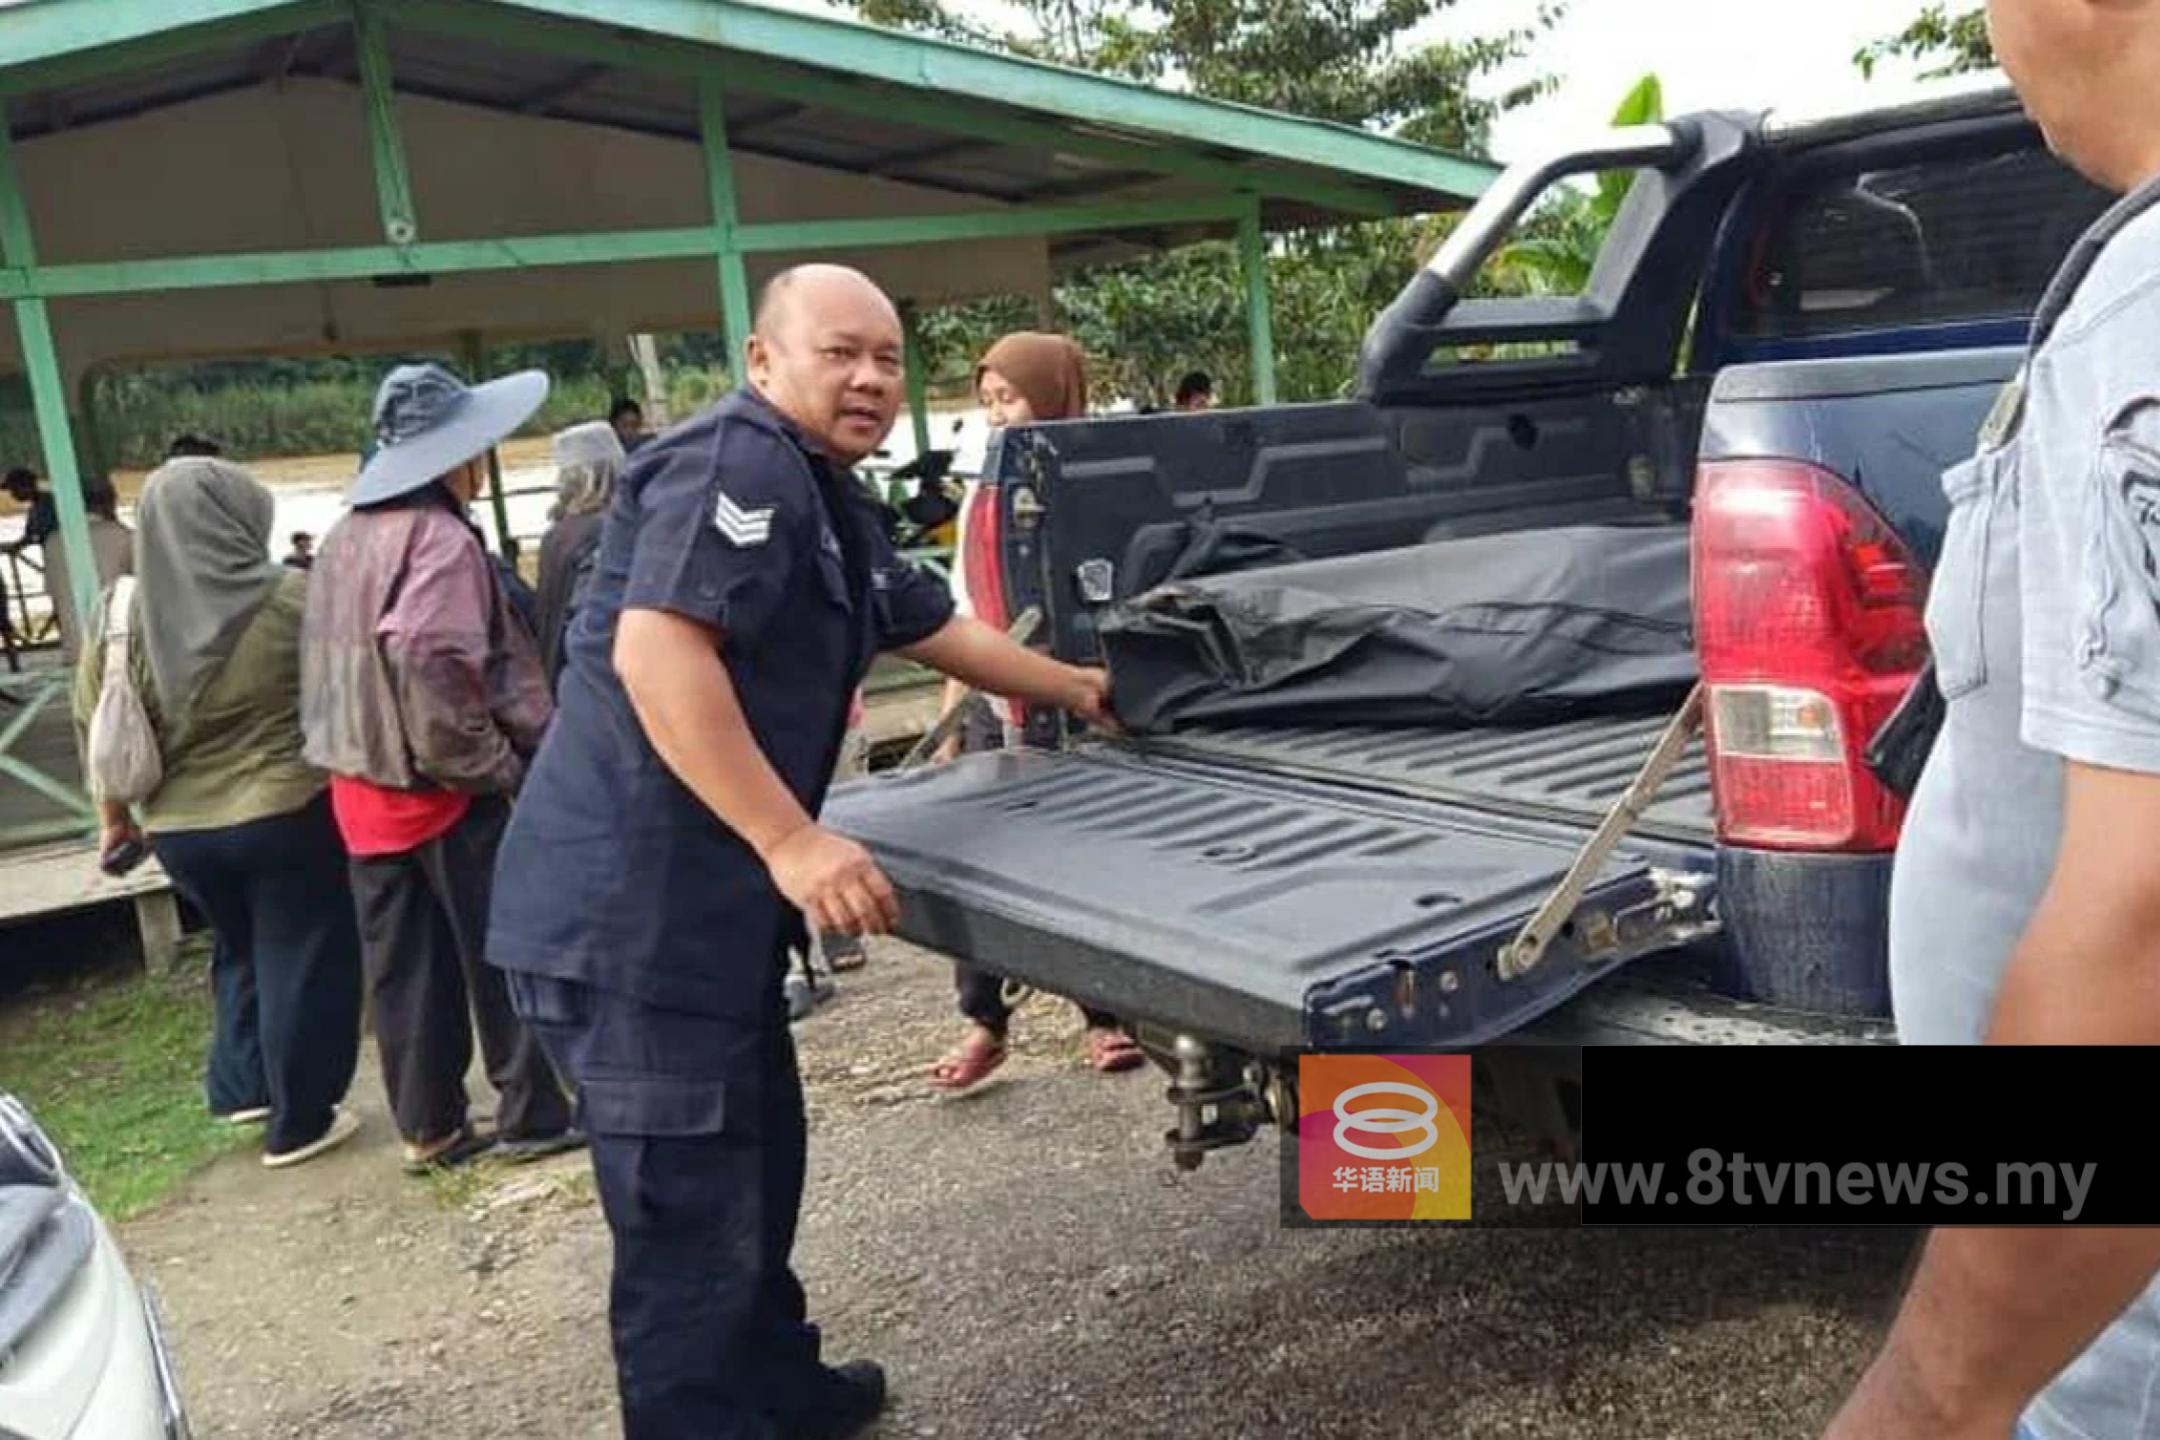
x=1926 y=243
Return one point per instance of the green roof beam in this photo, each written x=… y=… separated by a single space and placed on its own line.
x=882 y=101
x=446 y=257
x=365 y=262
x=951 y=69
x=985 y=225
x=393 y=181
x=50 y=45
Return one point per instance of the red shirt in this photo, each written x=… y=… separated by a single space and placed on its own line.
x=376 y=820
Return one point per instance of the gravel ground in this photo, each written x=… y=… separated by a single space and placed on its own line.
x=1026 y=1263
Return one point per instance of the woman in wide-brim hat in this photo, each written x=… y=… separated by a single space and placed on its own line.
x=422 y=695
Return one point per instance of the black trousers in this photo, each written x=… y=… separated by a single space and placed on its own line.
x=982 y=999
x=697 y=1134
x=286 y=967
x=423 y=936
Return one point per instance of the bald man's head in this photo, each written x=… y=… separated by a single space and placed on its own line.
x=826 y=351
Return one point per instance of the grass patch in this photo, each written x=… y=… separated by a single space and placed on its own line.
x=112 y=1067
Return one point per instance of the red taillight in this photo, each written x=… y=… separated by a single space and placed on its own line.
x=1808 y=618
x=982 y=536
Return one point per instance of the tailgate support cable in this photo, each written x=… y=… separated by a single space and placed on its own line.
x=1521 y=955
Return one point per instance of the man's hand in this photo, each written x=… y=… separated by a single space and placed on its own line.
x=1091 y=699
x=988 y=660
x=834 y=882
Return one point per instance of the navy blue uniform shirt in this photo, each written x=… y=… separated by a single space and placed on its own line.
x=612 y=873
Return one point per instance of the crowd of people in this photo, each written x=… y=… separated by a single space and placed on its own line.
x=583 y=844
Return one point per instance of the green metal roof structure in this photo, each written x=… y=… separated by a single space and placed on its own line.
x=230 y=177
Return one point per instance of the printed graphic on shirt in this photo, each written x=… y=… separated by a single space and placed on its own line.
x=742 y=527
x=2137 y=478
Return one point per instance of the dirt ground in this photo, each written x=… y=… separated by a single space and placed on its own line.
x=1024 y=1261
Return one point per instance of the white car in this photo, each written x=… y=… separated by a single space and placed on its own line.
x=82 y=1356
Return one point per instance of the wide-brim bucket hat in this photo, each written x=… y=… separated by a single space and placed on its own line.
x=428 y=422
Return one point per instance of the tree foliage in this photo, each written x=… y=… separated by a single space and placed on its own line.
x=1950 y=40
x=1560 y=243
x=1342 y=60
x=1146 y=322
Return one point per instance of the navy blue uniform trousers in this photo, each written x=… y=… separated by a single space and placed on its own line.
x=698 y=1137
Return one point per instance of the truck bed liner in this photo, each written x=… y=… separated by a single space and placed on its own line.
x=1573 y=770
x=1270 y=911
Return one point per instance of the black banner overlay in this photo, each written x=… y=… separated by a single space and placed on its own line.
x=1799 y=1135
x=1897 y=1135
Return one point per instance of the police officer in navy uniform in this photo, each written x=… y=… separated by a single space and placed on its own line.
x=664 y=855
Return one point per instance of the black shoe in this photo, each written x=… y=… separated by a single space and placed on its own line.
x=538 y=1147
x=853 y=1399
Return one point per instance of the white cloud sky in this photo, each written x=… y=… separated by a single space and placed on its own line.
x=1710 y=55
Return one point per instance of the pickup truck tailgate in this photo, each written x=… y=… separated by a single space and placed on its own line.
x=1269 y=912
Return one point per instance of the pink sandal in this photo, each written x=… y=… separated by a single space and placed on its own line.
x=1110 y=1051
x=967 y=1066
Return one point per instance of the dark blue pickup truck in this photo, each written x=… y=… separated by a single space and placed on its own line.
x=1792 y=330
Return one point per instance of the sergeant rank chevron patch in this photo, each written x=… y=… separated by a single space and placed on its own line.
x=739 y=527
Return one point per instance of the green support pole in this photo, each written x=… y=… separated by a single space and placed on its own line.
x=48 y=396
x=476 y=371
x=918 y=380
x=393 y=181
x=727 y=220
x=48 y=393
x=1259 y=308
x=94 y=457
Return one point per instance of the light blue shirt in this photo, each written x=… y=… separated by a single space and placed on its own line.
x=2044 y=617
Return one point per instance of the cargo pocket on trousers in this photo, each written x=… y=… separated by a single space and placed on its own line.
x=1957 y=595
x=654 y=1105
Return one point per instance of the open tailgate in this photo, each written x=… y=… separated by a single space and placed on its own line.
x=1267 y=913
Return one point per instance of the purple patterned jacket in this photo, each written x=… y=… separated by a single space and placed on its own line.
x=414 y=670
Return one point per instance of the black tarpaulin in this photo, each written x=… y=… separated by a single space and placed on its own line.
x=1498 y=629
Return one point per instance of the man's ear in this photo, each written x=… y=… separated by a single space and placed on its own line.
x=757 y=359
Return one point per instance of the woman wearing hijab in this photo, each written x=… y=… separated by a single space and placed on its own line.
x=1024 y=379
x=589 y=459
x=240 y=822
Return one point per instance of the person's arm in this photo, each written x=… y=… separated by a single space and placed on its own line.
x=685 y=699
x=987 y=659
x=1993 y=1314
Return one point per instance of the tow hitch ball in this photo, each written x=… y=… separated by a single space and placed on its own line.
x=1218 y=1102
